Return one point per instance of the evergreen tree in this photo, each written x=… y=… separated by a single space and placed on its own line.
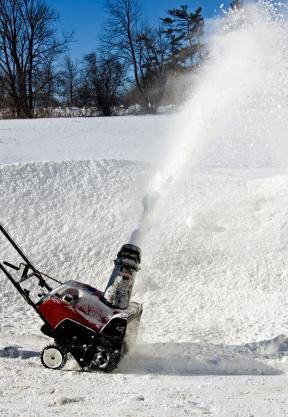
x=190 y=25
x=175 y=37
x=236 y=4
x=183 y=31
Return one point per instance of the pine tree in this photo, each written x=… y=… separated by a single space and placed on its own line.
x=175 y=37
x=191 y=26
x=236 y=4
x=184 y=31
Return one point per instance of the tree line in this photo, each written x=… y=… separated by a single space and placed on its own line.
x=134 y=62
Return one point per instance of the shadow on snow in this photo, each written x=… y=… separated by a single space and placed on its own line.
x=191 y=358
x=206 y=359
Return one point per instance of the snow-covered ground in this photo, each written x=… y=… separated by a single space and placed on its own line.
x=214 y=276
x=82 y=139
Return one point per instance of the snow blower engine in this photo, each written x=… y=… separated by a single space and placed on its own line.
x=95 y=327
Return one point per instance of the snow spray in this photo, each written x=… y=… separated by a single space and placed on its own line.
x=236 y=93
x=148 y=203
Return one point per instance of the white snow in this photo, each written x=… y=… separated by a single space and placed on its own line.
x=214 y=233
x=83 y=139
x=213 y=281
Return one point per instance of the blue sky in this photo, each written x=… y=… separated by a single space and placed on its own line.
x=87 y=17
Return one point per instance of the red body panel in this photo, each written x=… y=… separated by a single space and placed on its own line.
x=87 y=309
x=56 y=311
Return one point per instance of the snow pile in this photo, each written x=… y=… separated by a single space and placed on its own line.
x=216 y=274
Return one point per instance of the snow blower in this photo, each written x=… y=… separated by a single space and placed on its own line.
x=95 y=327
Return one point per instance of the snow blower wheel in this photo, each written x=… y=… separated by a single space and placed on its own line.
x=53 y=357
x=101 y=358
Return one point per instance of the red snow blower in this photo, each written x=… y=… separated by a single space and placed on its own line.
x=95 y=327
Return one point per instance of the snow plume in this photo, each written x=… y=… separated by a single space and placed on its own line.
x=246 y=69
x=148 y=203
x=239 y=90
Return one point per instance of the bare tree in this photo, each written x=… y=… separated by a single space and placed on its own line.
x=91 y=73
x=46 y=82
x=102 y=82
x=27 y=43
x=69 y=81
x=5 y=100
x=121 y=36
x=108 y=81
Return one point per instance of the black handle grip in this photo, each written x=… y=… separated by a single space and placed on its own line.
x=11 y=266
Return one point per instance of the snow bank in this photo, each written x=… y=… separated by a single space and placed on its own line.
x=213 y=271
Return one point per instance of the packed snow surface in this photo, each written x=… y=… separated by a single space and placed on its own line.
x=204 y=192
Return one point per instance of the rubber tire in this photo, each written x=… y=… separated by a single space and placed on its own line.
x=91 y=365
x=62 y=352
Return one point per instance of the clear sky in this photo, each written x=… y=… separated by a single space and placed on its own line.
x=86 y=17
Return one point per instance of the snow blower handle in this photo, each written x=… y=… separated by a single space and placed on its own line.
x=26 y=268
x=16 y=247
x=17 y=268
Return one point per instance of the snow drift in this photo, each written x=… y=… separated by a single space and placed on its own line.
x=216 y=274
